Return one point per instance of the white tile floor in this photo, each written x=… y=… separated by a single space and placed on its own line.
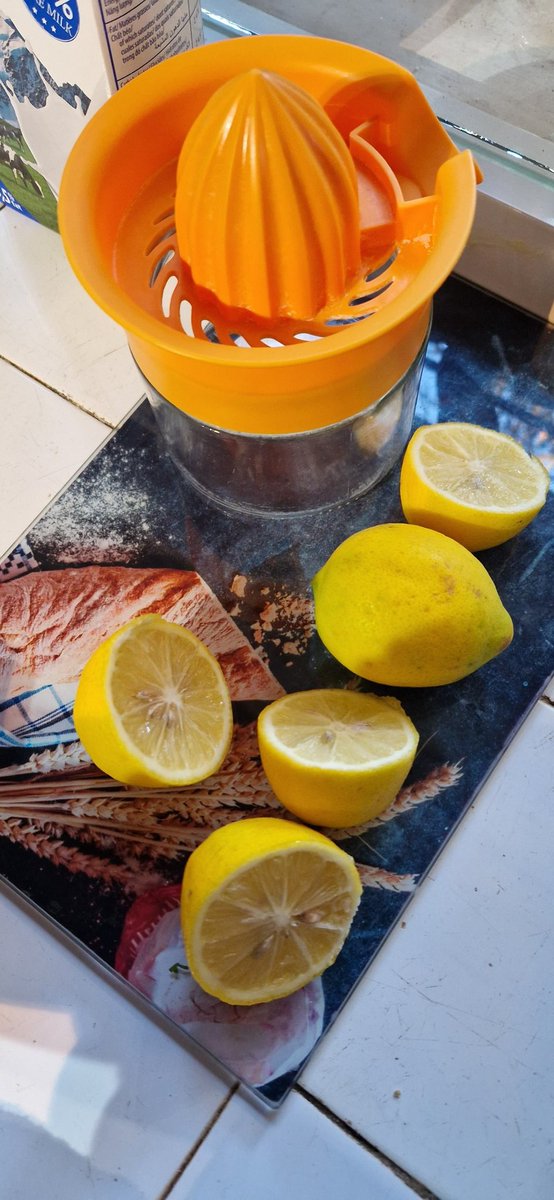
x=50 y=328
x=295 y=1152
x=95 y=1100
x=53 y=440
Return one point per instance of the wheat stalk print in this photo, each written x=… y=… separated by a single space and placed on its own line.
x=387 y=881
x=47 y=845
x=66 y=756
x=409 y=797
x=436 y=781
x=62 y=808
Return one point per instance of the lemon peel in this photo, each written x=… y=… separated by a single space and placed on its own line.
x=406 y=606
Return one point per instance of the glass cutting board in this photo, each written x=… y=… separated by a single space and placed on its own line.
x=104 y=863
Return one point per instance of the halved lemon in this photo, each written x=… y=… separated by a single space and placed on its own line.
x=476 y=485
x=152 y=706
x=336 y=757
x=266 y=907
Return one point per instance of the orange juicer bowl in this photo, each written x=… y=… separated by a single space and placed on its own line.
x=117 y=205
x=270 y=239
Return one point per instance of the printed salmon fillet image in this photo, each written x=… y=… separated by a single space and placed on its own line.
x=52 y=621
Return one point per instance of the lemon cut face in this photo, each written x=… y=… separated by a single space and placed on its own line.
x=266 y=907
x=334 y=757
x=473 y=484
x=152 y=706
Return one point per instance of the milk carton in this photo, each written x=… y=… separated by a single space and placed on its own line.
x=59 y=61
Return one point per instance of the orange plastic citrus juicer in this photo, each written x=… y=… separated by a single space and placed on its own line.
x=269 y=219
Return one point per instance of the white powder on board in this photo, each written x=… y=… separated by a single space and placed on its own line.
x=105 y=519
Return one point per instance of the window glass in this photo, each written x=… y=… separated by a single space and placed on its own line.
x=496 y=56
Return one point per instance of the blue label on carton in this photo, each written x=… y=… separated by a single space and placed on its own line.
x=7 y=198
x=59 y=18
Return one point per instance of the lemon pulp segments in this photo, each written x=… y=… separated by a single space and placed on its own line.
x=280 y=919
x=336 y=757
x=152 y=706
x=337 y=728
x=163 y=699
x=266 y=907
x=471 y=483
x=480 y=467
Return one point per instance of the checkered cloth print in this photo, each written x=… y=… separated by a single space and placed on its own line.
x=43 y=717
x=19 y=562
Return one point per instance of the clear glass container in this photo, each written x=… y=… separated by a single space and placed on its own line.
x=285 y=473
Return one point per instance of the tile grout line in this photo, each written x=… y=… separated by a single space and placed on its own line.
x=418 y=1188
x=197 y=1144
x=56 y=392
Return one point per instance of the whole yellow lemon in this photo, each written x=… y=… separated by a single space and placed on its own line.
x=408 y=607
